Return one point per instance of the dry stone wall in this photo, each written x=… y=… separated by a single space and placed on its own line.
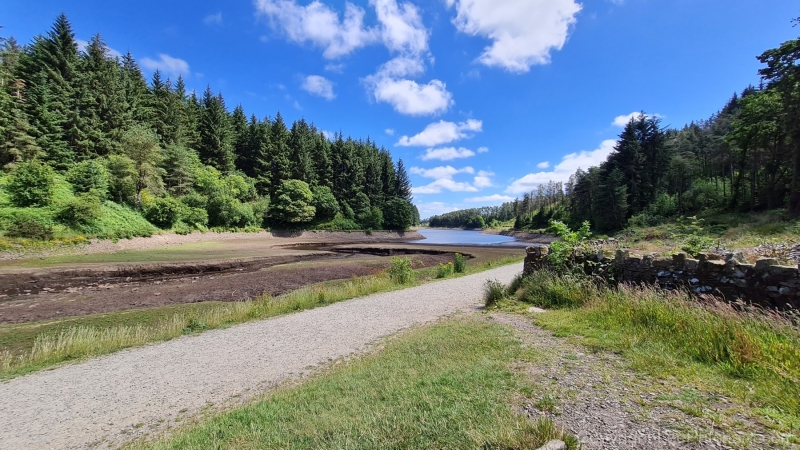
x=729 y=276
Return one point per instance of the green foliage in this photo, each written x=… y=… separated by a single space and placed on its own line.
x=563 y=251
x=226 y=211
x=293 y=203
x=339 y=223
x=401 y=270
x=31 y=184
x=694 y=236
x=325 y=203
x=460 y=265
x=372 y=220
x=163 y=212
x=120 y=222
x=445 y=270
x=89 y=176
x=476 y=222
x=122 y=179
x=398 y=214
x=30 y=229
x=493 y=292
x=81 y=212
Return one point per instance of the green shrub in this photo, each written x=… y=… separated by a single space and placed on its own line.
x=398 y=214
x=493 y=292
x=118 y=222
x=163 y=212
x=339 y=223
x=563 y=251
x=226 y=211
x=81 y=212
x=551 y=291
x=401 y=271
x=445 y=270
x=325 y=203
x=196 y=217
x=372 y=220
x=30 y=229
x=460 y=265
x=260 y=211
x=89 y=176
x=31 y=184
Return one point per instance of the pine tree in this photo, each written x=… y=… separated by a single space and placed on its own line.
x=300 y=147
x=216 y=147
x=403 y=183
x=241 y=140
x=278 y=154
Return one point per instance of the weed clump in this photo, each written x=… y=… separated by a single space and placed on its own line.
x=493 y=292
x=445 y=270
x=460 y=265
x=401 y=270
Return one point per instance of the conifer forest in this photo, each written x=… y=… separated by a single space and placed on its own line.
x=744 y=158
x=88 y=146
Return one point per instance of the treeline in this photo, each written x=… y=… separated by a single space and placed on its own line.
x=474 y=217
x=744 y=158
x=82 y=131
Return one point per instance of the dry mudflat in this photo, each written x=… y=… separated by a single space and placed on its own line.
x=171 y=269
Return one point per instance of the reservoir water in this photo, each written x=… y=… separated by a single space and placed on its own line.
x=463 y=237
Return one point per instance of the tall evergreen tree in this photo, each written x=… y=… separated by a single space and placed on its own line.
x=216 y=139
x=403 y=183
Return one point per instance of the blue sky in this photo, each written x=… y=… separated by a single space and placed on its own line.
x=482 y=99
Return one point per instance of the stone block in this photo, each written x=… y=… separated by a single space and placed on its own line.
x=783 y=271
x=736 y=257
x=715 y=266
x=621 y=255
x=691 y=264
x=764 y=263
x=679 y=259
x=662 y=263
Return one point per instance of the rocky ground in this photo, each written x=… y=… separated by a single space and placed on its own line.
x=595 y=396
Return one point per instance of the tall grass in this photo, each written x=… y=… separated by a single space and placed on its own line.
x=752 y=348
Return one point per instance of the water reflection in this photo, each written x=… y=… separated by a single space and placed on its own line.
x=464 y=237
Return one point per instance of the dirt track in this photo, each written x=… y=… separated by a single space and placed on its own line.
x=113 y=399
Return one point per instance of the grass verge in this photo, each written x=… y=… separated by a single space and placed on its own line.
x=445 y=386
x=26 y=348
x=752 y=357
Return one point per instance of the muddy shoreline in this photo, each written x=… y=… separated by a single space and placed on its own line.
x=96 y=246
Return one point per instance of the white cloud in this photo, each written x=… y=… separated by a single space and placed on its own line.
x=543 y=165
x=483 y=149
x=447 y=154
x=490 y=199
x=389 y=131
x=82 y=46
x=402 y=66
x=319 y=86
x=562 y=171
x=443 y=177
x=523 y=32
x=427 y=209
x=320 y=25
x=401 y=27
x=167 y=64
x=442 y=132
x=443 y=172
x=444 y=184
x=336 y=68
x=411 y=98
x=213 y=19
x=622 y=121
x=328 y=134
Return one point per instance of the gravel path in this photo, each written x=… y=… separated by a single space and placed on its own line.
x=113 y=399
